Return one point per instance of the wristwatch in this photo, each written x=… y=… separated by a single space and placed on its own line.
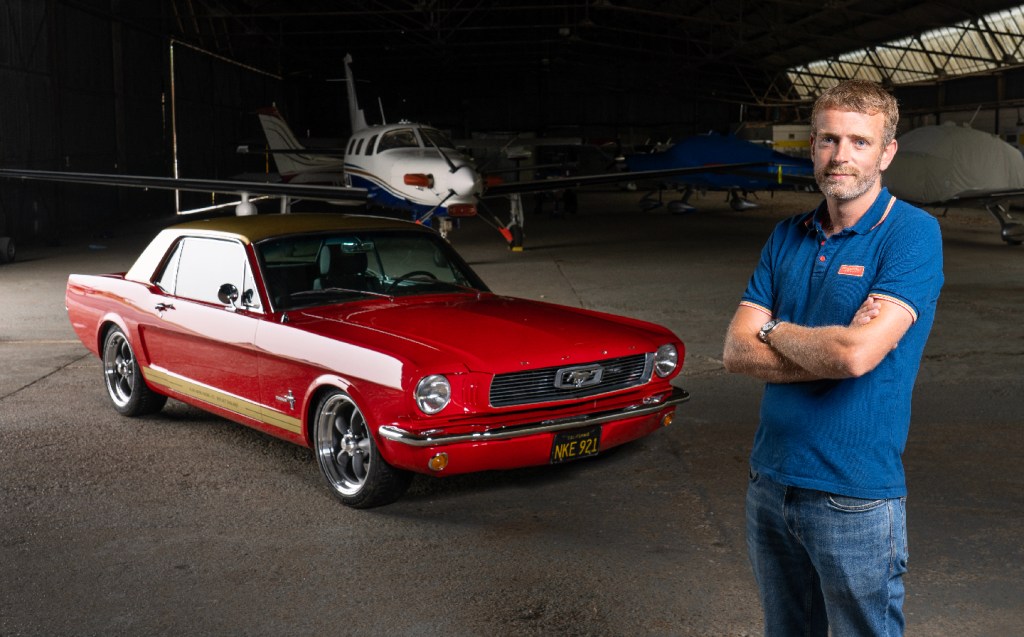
x=766 y=329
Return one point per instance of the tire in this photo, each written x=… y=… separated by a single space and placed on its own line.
x=123 y=378
x=348 y=457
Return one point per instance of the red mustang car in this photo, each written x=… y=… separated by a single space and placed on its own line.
x=372 y=342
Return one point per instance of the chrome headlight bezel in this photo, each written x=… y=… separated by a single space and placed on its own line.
x=433 y=393
x=666 y=360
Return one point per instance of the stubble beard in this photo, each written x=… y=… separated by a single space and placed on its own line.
x=862 y=182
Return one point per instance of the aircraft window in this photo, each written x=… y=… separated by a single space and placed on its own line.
x=434 y=137
x=359 y=146
x=369 y=145
x=401 y=138
x=351 y=145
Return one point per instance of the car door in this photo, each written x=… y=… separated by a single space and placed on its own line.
x=199 y=344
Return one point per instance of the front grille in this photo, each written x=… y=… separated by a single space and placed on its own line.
x=540 y=385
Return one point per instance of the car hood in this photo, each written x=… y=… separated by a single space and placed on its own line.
x=487 y=333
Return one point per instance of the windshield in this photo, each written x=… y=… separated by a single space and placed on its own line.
x=434 y=137
x=306 y=270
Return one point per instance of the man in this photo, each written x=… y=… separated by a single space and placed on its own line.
x=835 y=320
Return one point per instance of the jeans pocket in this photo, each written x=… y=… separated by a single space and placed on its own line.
x=852 y=505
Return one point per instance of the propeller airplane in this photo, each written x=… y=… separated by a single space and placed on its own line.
x=405 y=166
x=769 y=170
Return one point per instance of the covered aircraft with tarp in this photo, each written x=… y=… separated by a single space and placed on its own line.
x=954 y=166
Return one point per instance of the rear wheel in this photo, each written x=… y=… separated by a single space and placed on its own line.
x=348 y=456
x=123 y=379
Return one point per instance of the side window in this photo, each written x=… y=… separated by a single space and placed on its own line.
x=359 y=146
x=369 y=145
x=249 y=297
x=169 y=276
x=206 y=264
x=351 y=145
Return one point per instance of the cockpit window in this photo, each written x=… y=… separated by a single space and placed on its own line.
x=434 y=137
x=399 y=138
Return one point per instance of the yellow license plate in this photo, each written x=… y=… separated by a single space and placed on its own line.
x=572 y=445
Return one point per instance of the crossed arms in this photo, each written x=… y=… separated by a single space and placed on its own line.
x=795 y=353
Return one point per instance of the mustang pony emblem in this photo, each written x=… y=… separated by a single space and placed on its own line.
x=578 y=377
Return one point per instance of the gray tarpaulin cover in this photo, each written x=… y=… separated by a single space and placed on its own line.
x=936 y=163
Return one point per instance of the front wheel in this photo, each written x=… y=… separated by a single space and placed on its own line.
x=123 y=379
x=348 y=457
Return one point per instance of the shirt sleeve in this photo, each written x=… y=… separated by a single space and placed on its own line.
x=910 y=269
x=760 y=292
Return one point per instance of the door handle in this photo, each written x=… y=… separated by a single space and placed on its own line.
x=163 y=307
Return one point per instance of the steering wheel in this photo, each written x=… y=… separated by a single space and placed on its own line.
x=412 y=275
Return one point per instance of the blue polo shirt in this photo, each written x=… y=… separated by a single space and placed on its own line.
x=846 y=436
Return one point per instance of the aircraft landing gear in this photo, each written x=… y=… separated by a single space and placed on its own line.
x=738 y=201
x=648 y=202
x=1011 y=231
x=515 y=223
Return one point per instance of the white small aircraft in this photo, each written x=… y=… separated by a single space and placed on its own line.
x=951 y=166
x=405 y=166
x=416 y=168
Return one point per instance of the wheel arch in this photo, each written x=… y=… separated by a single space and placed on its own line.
x=105 y=324
x=320 y=387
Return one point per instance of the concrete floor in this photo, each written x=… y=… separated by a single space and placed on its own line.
x=185 y=523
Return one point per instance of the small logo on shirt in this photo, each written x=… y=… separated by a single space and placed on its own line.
x=851 y=270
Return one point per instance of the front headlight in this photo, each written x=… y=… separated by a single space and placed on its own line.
x=665 y=360
x=433 y=394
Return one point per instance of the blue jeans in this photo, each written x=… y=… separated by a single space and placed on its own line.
x=826 y=560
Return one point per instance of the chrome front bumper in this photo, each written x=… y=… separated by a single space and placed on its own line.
x=649 y=406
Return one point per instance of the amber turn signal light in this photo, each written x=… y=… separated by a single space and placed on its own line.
x=438 y=462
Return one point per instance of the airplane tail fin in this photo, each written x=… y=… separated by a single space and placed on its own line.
x=355 y=113
x=280 y=137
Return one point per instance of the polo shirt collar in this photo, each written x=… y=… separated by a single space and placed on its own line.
x=871 y=219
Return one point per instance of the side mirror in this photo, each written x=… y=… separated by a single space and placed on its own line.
x=228 y=294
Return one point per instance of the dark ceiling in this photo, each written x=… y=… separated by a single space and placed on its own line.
x=731 y=50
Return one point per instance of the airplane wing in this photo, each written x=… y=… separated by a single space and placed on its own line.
x=974 y=198
x=245 y=149
x=994 y=201
x=241 y=188
x=540 y=185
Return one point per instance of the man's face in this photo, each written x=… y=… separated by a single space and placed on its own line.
x=848 y=153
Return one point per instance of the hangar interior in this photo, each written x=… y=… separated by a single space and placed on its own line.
x=171 y=87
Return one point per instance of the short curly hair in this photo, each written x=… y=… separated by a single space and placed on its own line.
x=860 y=96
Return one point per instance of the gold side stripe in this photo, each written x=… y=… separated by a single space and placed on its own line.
x=282 y=421
x=221 y=399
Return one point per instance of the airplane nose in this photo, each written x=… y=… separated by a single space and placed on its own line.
x=464 y=181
